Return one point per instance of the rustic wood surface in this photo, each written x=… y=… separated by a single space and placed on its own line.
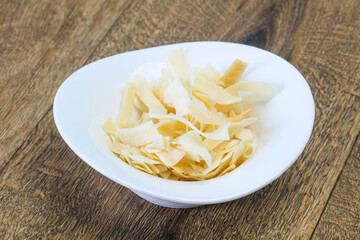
x=47 y=192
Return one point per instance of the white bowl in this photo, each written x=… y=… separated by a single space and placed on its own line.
x=91 y=95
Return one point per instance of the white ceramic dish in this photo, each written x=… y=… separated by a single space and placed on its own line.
x=91 y=95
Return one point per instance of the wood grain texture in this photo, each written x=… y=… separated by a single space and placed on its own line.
x=46 y=191
x=151 y=23
x=27 y=28
x=330 y=80
x=72 y=44
x=341 y=218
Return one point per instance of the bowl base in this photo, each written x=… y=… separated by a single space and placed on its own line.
x=165 y=203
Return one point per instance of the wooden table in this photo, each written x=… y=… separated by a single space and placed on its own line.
x=47 y=192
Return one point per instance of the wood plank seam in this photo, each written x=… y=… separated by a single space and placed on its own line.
x=333 y=188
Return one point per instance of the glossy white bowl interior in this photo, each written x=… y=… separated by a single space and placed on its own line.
x=91 y=95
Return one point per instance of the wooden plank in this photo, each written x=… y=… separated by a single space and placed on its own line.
x=31 y=93
x=47 y=192
x=341 y=218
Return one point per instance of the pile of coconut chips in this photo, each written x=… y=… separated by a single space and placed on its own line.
x=193 y=124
